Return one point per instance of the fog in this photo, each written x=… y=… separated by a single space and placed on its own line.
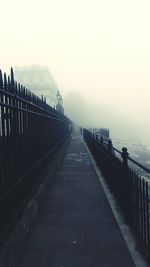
x=97 y=51
x=90 y=115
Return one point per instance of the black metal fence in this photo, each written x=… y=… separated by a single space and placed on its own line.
x=130 y=189
x=30 y=134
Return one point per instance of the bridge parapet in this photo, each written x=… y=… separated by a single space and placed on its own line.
x=131 y=190
x=30 y=134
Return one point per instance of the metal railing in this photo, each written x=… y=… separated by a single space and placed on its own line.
x=130 y=189
x=30 y=135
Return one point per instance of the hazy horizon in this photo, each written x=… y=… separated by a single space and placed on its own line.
x=98 y=49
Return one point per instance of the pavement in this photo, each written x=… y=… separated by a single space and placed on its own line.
x=75 y=226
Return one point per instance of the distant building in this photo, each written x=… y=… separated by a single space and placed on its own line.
x=102 y=132
x=38 y=80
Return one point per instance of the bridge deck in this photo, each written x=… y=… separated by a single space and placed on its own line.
x=76 y=226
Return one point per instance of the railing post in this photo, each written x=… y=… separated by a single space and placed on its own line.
x=101 y=140
x=124 y=155
x=110 y=146
x=81 y=131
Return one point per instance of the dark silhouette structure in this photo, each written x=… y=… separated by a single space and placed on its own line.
x=39 y=80
x=30 y=134
x=130 y=189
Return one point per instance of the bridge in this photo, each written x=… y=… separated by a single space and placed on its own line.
x=55 y=183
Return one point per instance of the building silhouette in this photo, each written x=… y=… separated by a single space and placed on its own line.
x=39 y=80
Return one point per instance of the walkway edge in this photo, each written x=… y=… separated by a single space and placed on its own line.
x=126 y=232
x=13 y=247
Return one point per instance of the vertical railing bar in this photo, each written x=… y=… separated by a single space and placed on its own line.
x=4 y=173
x=148 y=219
x=144 y=210
x=138 y=208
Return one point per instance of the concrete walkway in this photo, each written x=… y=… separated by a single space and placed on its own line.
x=76 y=227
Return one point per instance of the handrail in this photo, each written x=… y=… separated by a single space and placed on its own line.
x=139 y=164
x=53 y=111
x=130 y=187
x=127 y=157
x=132 y=160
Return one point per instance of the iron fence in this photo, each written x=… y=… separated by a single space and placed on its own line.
x=30 y=134
x=130 y=189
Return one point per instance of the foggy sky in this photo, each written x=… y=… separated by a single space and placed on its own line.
x=100 y=49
